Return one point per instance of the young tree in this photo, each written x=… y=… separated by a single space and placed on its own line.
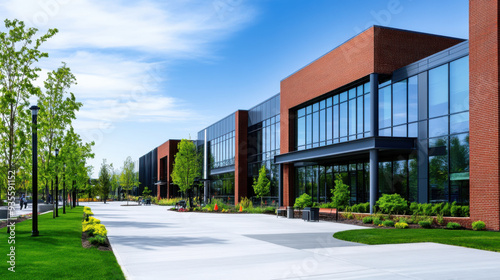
x=341 y=193
x=186 y=165
x=128 y=178
x=261 y=186
x=146 y=192
x=56 y=115
x=115 y=184
x=20 y=50
x=104 y=182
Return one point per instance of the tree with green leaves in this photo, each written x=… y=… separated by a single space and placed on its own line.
x=261 y=185
x=56 y=115
x=19 y=52
x=146 y=192
x=104 y=181
x=341 y=193
x=187 y=165
x=115 y=183
x=128 y=177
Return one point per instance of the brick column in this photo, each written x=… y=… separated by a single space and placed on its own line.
x=484 y=112
x=241 y=161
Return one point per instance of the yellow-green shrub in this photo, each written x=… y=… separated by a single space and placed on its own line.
x=401 y=225
x=100 y=229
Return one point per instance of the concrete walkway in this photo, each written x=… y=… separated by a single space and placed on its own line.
x=153 y=243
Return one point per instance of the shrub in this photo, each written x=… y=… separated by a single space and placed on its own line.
x=456 y=210
x=388 y=223
x=348 y=215
x=368 y=220
x=100 y=229
x=415 y=219
x=341 y=194
x=270 y=209
x=377 y=221
x=452 y=225
x=403 y=220
x=245 y=203
x=303 y=201
x=440 y=219
x=355 y=208
x=446 y=210
x=361 y=207
x=425 y=224
x=89 y=228
x=415 y=208
x=96 y=240
x=427 y=209
x=401 y=225
x=478 y=225
x=436 y=209
x=392 y=204
x=169 y=201
x=465 y=211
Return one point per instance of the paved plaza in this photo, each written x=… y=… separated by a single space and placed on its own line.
x=153 y=243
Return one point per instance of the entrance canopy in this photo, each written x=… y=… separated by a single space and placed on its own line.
x=356 y=147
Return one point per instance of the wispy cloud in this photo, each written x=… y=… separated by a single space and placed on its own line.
x=119 y=50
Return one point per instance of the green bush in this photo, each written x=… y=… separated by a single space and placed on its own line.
x=355 y=208
x=401 y=225
x=478 y=225
x=168 y=201
x=436 y=209
x=403 y=220
x=446 y=210
x=377 y=221
x=425 y=224
x=388 y=223
x=452 y=225
x=415 y=208
x=427 y=209
x=303 y=201
x=348 y=215
x=361 y=208
x=440 y=219
x=456 y=210
x=97 y=240
x=341 y=194
x=465 y=211
x=368 y=220
x=392 y=204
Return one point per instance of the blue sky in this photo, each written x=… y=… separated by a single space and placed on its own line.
x=149 y=71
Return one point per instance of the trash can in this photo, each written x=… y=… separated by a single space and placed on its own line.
x=306 y=214
x=289 y=212
x=314 y=214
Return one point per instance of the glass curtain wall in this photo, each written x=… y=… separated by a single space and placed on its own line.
x=449 y=132
x=342 y=117
x=222 y=150
x=263 y=145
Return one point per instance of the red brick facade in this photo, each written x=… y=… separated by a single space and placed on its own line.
x=376 y=50
x=167 y=149
x=240 y=161
x=484 y=112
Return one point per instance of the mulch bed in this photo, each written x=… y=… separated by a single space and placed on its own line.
x=18 y=220
x=86 y=243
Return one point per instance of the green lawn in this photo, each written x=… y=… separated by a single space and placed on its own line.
x=485 y=240
x=57 y=253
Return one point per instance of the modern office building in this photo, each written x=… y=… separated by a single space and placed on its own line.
x=390 y=111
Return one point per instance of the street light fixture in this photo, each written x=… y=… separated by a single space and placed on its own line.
x=56 y=210
x=34 y=136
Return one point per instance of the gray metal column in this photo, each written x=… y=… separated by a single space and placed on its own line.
x=280 y=185
x=373 y=178
x=205 y=169
x=374 y=104
x=373 y=133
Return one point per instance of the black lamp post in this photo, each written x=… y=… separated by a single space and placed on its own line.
x=34 y=136
x=64 y=189
x=57 y=188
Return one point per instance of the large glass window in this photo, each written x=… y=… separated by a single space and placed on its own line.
x=413 y=99
x=385 y=112
x=438 y=91
x=459 y=85
x=438 y=170
x=343 y=119
x=352 y=116
x=399 y=103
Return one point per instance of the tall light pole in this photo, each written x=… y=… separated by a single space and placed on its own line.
x=57 y=188
x=34 y=136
